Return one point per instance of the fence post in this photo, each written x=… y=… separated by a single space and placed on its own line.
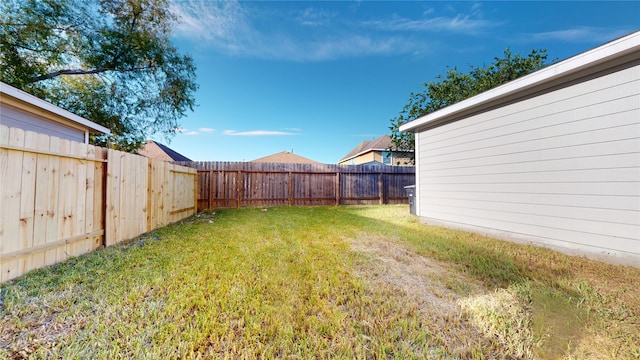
x=195 y=193
x=150 y=193
x=380 y=189
x=239 y=182
x=290 y=188
x=212 y=184
x=224 y=188
x=105 y=184
x=337 y=188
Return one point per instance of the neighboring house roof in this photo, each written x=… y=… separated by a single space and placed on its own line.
x=380 y=144
x=155 y=150
x=616 y=52
x=16 y=97
x=285 y=157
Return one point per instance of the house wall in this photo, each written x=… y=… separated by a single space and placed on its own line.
x=365 y=158
x=377 y=156
x=11 y=116
x=371 y=156
x=560 y=169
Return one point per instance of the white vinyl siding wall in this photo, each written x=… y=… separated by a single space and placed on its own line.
x=12 y=117
x=560 y=169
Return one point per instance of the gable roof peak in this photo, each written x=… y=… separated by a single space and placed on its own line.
x=285 y=157
x=155 y=150
x=381 y=143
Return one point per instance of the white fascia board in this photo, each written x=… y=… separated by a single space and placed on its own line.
x=9 y=90
x=610 y=50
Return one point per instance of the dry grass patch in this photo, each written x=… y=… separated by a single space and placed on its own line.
x=473 y=321
x=424 y=284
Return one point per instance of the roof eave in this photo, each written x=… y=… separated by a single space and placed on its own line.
x=9 y=90
x=611 y=50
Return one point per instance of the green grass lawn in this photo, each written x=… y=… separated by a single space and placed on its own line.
x=361 y=282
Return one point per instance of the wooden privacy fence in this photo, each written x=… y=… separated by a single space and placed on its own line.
x=144 y=194
x=239 y=184
x=62 y=198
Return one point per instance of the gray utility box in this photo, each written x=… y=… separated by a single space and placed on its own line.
x=411 y=194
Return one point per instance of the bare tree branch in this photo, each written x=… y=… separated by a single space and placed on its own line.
x=87 y=72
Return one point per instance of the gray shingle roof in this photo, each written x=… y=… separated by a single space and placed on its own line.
x=155 y=150
x=380 y=144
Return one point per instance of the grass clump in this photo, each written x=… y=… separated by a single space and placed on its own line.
x=503 y=316
x=355 y=282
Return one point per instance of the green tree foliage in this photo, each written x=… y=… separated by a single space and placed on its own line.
x=109 y=61
x=456 y=86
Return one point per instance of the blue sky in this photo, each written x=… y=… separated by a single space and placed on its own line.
x=320 y=77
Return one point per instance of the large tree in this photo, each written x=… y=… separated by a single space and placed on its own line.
x=110 y=61
x=455 y=86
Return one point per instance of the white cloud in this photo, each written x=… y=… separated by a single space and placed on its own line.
x=221 y=22
x=308 y=33
x=315 y=17
x=183 y=131
x=577 y=34
x=459 y=23
x=256 y=133
x=476 y=9
x=353 y=46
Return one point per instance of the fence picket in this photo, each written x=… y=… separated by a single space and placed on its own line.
x=86 y=202
x=63 y=198
x=41 y=202
x=237 y=184
x=11 y=203
x=27 y=195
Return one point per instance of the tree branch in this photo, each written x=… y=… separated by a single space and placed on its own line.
x=86 y=72
x=58 y=28
x=67 y=72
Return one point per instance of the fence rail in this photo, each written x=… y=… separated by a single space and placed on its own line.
x=240 y=184
x=62 y=198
